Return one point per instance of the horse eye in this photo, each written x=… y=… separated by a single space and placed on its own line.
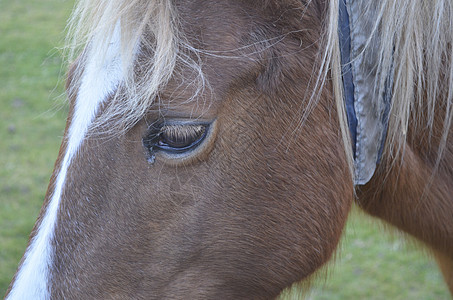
x=175 y=138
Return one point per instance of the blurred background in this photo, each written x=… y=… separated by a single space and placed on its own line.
x=370 y=263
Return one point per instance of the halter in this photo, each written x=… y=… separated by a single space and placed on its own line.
x=367 y=111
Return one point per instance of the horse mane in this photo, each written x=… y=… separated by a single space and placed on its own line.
x=94 y=21
x=415 y=48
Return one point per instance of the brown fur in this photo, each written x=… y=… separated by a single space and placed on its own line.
x=261 y=208
x=415 y=193
x=208 y=229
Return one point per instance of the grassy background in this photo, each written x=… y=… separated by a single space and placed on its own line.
x=30 y=125
x=370 y=265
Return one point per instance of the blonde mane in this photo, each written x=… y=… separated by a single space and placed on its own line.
x=155 y=20
x=416 y=47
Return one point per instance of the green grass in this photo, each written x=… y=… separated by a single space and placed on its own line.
x=373 y=263
x=370 y=265
x=31 y=126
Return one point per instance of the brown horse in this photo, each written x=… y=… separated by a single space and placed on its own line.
x=206 y=152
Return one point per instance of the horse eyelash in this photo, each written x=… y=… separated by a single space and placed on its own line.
x=184 y=132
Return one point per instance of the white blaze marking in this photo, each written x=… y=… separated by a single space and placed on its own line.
x=101 y=77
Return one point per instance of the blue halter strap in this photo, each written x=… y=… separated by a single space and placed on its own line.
x=367 y=111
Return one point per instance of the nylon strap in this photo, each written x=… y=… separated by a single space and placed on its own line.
x=366 y=110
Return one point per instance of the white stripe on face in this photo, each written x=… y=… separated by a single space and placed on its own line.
x=101 y=77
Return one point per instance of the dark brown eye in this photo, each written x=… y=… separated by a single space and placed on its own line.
x=175 y=138
x=180 y=136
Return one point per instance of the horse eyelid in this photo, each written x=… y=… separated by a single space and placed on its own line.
x=175 y=138
x=182 y=133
